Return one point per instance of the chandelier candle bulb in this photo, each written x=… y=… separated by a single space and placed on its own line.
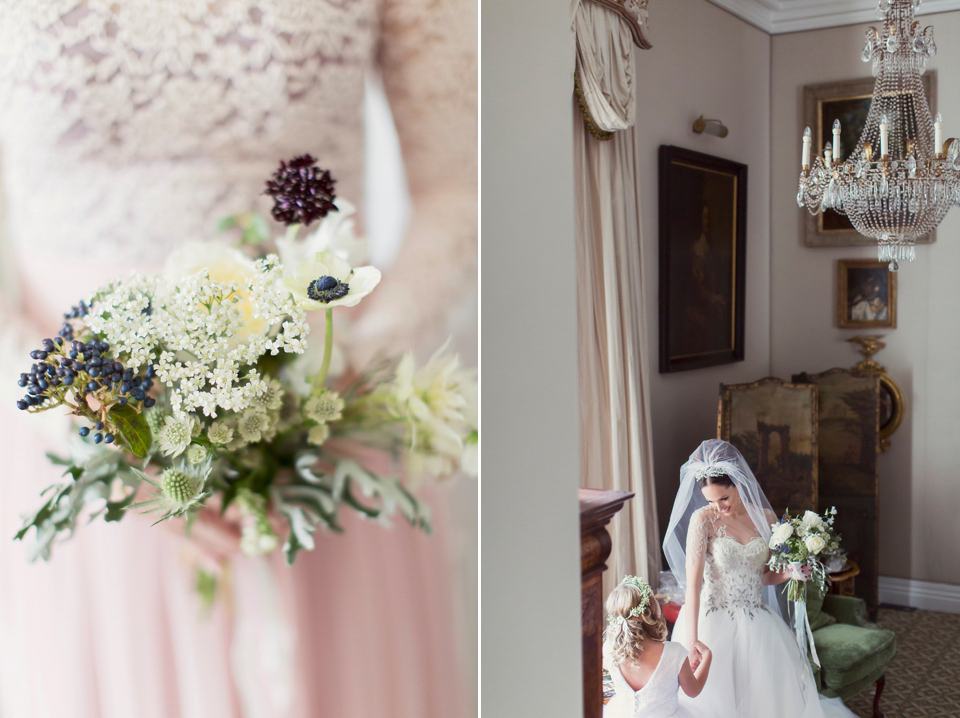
x=836 y=140
x=938 y=135
x=828 y=154
x=884 y=136
x=807 y=139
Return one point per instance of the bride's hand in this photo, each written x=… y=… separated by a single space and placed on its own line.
x=694 y=655
x=801 y=574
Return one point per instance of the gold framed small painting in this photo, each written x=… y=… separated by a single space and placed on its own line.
x=866 y=295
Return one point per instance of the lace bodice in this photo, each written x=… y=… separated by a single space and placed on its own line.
x=129 y=127
x=658 y=698
x=732 y=575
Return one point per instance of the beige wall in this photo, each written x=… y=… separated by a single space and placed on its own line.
x=704 y=61
x=920 y=474
x=530 y=549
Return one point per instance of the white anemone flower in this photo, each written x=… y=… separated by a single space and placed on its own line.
x=326 y=281
x=335 y=233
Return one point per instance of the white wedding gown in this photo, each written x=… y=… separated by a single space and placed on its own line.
x=657 y=699
x=757 y=669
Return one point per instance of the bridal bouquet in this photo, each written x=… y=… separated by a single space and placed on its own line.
x=799 y=541
x=197 y=387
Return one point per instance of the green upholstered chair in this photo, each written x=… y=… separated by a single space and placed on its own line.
x=853 y=652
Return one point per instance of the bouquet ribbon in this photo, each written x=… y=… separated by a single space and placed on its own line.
x=802 y=630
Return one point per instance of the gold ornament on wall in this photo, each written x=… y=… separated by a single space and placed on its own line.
x=892 y=406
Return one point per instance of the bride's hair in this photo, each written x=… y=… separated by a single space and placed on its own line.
x=711 y=479
x=624 y=636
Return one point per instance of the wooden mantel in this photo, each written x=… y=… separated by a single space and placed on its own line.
x=596 y=509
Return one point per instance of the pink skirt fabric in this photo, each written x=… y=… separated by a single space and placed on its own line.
x=112 y=626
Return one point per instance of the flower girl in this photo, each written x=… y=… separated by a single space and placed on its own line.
x=646 y=669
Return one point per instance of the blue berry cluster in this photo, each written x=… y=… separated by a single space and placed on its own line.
x=77 y=312
x=85 y=368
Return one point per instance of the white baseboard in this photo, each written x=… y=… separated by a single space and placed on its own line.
x=919 y=594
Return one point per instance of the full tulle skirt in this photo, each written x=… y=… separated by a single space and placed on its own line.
x=757 y=669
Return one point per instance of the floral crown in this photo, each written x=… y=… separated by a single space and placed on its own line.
x=646 y=593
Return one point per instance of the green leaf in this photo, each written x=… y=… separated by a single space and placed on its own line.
x=133 y=427
x=116 y=509
x=351 y=500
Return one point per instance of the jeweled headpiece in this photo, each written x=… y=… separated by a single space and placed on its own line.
x=705 y=470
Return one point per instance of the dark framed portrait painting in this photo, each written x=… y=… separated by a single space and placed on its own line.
x=703 y=210
x=847 y=101
x=866 y=295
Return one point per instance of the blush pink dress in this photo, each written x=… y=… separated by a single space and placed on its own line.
x=127 y=128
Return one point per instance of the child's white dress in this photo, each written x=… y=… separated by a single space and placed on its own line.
x=657 y=699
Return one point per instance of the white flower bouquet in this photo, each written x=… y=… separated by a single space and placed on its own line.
x=806 y=540
x=197 y=389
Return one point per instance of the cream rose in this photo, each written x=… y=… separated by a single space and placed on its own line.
x=781 y=534
x=814 y=544
x=812 y=520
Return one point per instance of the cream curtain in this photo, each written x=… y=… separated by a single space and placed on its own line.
x=616 y=444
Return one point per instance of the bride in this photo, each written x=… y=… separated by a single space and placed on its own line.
x=716 y=545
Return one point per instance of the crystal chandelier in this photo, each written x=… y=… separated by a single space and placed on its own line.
x=899 y=181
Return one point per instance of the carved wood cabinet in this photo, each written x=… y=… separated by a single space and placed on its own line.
x=596 y=510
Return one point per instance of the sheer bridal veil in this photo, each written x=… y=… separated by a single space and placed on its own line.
x=712 y=458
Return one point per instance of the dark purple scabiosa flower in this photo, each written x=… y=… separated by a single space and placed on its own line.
x=301 y=191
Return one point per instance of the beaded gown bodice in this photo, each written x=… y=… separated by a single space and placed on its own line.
x=658 y=698
x=732 y=576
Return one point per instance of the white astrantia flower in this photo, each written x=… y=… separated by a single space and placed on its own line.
x=255 y=424
x=326 y=281
x=180 y=488
x=196 y=454
x=220 y=432
x=323 y=406
x=176 y=434
x=318 y=434
x=271 y=399
x=335 y=233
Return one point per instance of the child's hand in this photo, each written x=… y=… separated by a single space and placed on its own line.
x=702 y=650
x=694 y=655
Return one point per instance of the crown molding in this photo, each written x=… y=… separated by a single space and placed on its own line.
x=780 y=16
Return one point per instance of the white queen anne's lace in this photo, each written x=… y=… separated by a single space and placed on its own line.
x=189 y=330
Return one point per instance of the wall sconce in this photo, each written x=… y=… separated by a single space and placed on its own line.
x=711 y=127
